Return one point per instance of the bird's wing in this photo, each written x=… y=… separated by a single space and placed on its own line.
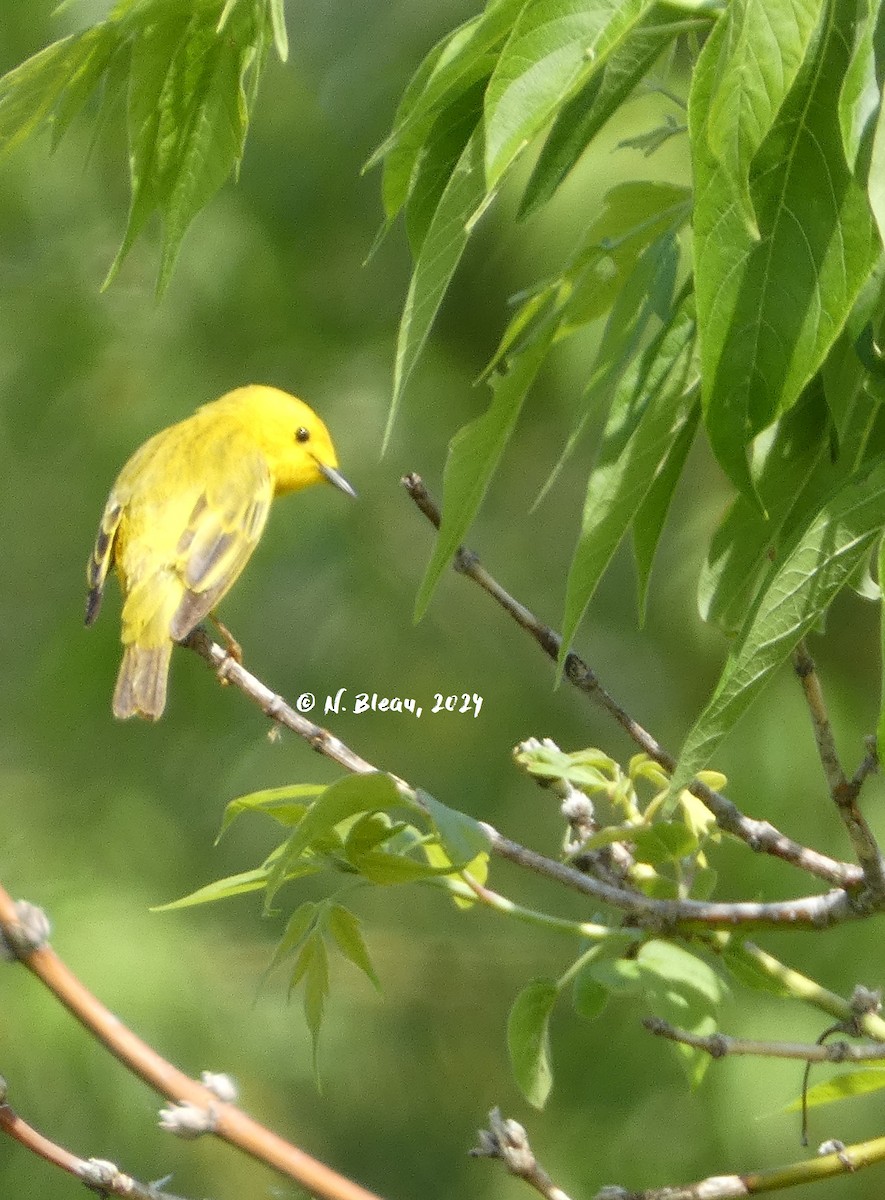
x=100 y=560
x=222 y=531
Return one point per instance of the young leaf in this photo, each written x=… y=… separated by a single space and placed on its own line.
x=746 y=970
x=221 y=889
x=842 y=1087
x=344 y=926
x=772 y=296
x=799 y=589
x=579 y=121
x=860 y=97
x=278 y=23
x=462 y=836
x=313 y=965
x=553 y=50
x=285 y=804
x=528 y=1040
x=589 y=997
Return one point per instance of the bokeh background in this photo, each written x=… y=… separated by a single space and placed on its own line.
x=103 y=820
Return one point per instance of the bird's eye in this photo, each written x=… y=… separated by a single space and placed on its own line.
x=302 y=435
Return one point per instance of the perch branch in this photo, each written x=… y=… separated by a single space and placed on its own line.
x=667 y=916
x=508 y=1141
x=759 y=835
x=223 y=1119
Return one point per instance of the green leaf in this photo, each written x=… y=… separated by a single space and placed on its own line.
x=285 y=804
x=860 y=97
x=344 y=926
x=387 y=868
x=313 y=966
x=188 y=115
x=441 y=251
x=581 y=118
x=351 y=795
x=278 y=24
x=367 y=833
x=664 y=965
x=880 y=725
x=746 y=970
x=553 y=50
x=664 y=842
x=221 y=889
x=652 y=512
x=747 y=538
x=301 y=926
x=841 y=1087
x=774 y=293
x=474 y=453
x=650 y=409
x=799 y=589
x=462 y=836
x=589 y=997
x=528 y=1040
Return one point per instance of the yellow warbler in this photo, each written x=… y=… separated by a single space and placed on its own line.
x=184 y=515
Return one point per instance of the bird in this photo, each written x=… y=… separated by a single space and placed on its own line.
x=185 y=514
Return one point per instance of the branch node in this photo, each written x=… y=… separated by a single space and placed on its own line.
x=30 y=934
x=104 y=1176
x=220 y=1085
x=188 y=1120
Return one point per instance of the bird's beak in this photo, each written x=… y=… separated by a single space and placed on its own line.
x=334 y=476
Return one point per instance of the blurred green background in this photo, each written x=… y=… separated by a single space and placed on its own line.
x=103 y=820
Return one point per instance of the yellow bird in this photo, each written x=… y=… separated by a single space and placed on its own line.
x=184 y=515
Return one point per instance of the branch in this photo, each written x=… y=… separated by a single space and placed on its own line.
x=666 y=916
x=759 y=835
x=509 y=1142
x=844 y=792
x=718 y=1045
x=25 y=939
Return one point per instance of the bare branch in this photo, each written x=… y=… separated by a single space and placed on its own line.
x=759 y=835
x=843 y=791
x=227 y=1122
x=508 y=1141
x=96 y=1173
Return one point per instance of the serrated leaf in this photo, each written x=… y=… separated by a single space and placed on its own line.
x=474 y=453
x=772 y=294
x=441 y=251
x=528 y=1040
x=221 y=889
x=798 y=591
x=301 y=926
x=461 y=835
x=553 y=50
x=344 y=926
x=285 y=804
x=841 y=1087
x=581 y=118
x=651 y=406
x=313 y=966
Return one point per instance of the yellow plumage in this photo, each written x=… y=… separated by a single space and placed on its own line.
x=184 y=515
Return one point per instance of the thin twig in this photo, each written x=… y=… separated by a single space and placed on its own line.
x=95 y=1173
x=508 y=1141
x=759 y=835
x=667 y=916
x=718 y=1045
x=803 y=665
x=224 y=1120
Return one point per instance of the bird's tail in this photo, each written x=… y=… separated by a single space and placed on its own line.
x=141 y=683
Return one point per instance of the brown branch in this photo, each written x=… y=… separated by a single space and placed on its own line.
x=508 y=1141
x=668 y=916
x=718 y=1045
x=223 y=1119
x=843 y=791
x=94 y=1173
x=759 y=835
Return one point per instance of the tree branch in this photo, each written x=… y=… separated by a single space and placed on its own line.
x=665 y=916
x=718 y=1045
x=508 y=1141
x=222 y=1119
x=759 y=835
